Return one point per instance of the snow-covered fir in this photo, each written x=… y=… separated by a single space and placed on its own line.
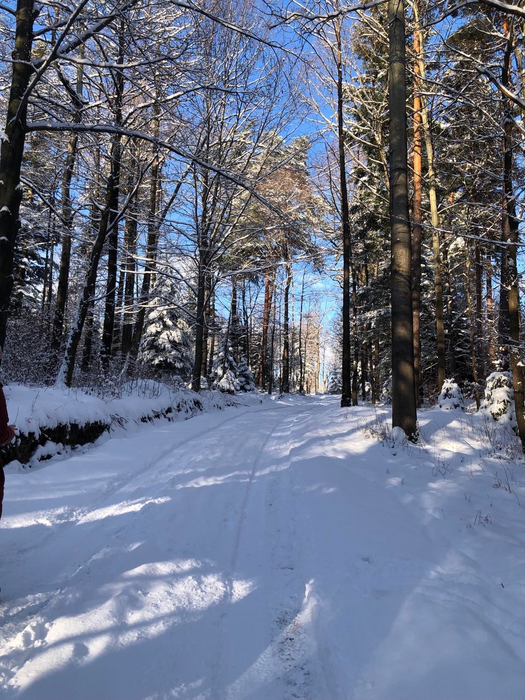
x=225 y=372
x=451 y=395
x=167 y=338
x=166 y=343
x=498 y=401
x=245 y=379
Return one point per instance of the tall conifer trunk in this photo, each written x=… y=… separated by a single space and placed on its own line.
x=268 y=296
x=472 y=323
x=11 y=153
x=285 y=380
x=211 y=332
x=346 y=396
x=434 y=214
x=403 y=390
x=490 y=311
x=511 y=237
x=447 y=287
x=300 y=339
x=417 y=219
x=479 y=311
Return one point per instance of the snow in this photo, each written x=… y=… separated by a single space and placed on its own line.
x=225 y=371
x=36 y=410
x=499 y=398
x=290 y=549
x=32 y=409
x=458 y=245
x=451 y=396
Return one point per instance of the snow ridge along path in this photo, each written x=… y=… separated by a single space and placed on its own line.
x=273 y=553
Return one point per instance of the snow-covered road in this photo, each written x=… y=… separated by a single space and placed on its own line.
x=268 y=553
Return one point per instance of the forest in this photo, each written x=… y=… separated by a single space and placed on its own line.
x=297 y=197
x=262 y=411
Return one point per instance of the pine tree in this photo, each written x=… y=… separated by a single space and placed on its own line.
x=167 y=341
x=225 y=372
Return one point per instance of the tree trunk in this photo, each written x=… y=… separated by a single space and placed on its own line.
x=434 y=216
x=364 y=368
x=355 y=334
x=44 y=274
x=67 y=218
x=151 y=243
x=268 y=296
x=200 y=320
x=305 y=364
x=65 y=374
x=212 y=332
x=89 y=325
x=480 y=350
x=503 y=318
x=117 y=329
x=285 y=383
x=272 y=347
x=130 y=252
x=206 y=329
x=11 y=154
x=371 y=364
x=116 y=156
x=511 y=236
x=417 y=219
x=403 y=392
x=490 y=312
x=246 y=323
x=376 y=364
x=346 y=396
x=450 y=313
x=317 y=360
x=234 y=320
x=473 y=359
x=299 y=340
x=50 y=281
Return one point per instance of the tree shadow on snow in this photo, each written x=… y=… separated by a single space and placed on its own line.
x=286 y=572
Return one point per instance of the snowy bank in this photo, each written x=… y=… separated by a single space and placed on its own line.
x=51 y=421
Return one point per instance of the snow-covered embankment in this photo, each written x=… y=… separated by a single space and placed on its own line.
x=53 y=421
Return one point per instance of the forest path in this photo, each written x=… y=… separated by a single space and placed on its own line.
x=267 y=553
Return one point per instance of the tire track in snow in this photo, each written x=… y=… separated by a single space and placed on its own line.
x=280 y=663
x=74 y=516
x=242 y=515
x=219 y=685
x=293 y=641
x=32 y=628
